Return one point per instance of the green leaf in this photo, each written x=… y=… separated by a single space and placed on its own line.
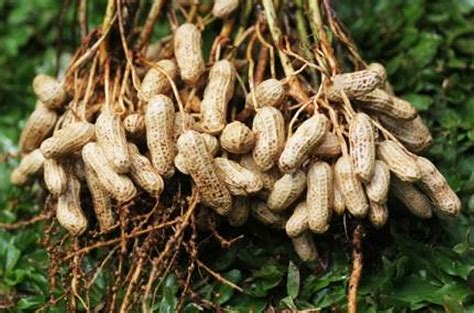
x=293 y=280
x=420 y=102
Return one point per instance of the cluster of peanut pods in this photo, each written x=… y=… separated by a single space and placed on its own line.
x=289 y=170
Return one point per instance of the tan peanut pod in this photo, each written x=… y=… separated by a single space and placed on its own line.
x=188 y=53
x=414 y=134
x=160 y=123
x=433 y=183
x=212 y=143
x=300 y=145
x=39 y=126
x=237 y=138
x=260 y=211
x=152 y=52
x=78 y=167
x=49 y=91
x=354 y=84
x=240 y=211
x=270 y=92
x=377 y=188
x=68 y=211
x=143 y=173
x=379 y=69
x=286 y=190
x=398 y=161
x=380 y=101
x=119 y=186
x=269 y=129
x=55 y=177
x=378 y=214
x=217 y=94
x=223 y=8
x=328 y=147
x=134 y=125
x=239 y=180
x=362 y=146
x=268 y=178
x=350 y=187
x=110 y=135
x=182 y=122
x=305 y=248
x=412 y=197
x=338 y=206
x=68 y=140
x=155 y=82
x=191 y=101
x=319 y=196
x=100 y=200
x=180 y=164
x=29 y=166
x=202 y=169
x=298 y=221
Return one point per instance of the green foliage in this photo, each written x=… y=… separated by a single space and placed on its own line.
x=410 y=265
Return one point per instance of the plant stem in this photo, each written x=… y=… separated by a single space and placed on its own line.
x=301 y=26
x=109 y=14
x=149 y=23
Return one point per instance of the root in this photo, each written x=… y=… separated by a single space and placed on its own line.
x=356 y=272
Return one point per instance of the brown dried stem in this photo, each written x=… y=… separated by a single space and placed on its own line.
x=356 y=272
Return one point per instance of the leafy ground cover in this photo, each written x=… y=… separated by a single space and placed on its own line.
x=410 y=265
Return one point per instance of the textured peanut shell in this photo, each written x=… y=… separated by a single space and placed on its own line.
x=100 y=200
x=378 y=214
x=143 y=173
x=68 y=211
x=217 y=94
x=182 y=122
x=68 y=140
x=200 y=165
x=412 y=197
x=398 y=161
x=298 y=221
x=260 y=211
x=305 y=248
x=239 y=180
x=188 y=53
x=237 y=138
x=302 y=142
x=319 y=196
x=110 y=135
x=223 y=8
x=155 y=82
x=339 y=206
x=119 y=186
x=39 y=126
x=49 y=91
x=378 y=187
x=134 y=125
x=433 y=183
x=286 y=190
x=159 y=122
x=350 y=187
x=239 y=214
x=29 y=166
x=268 y=177
x=362 y=146
x=270 y=92
x=55 y=177
x=328 y=147
x=380 y=101
x=269 y=129
x=353 y=84
x=414 y=134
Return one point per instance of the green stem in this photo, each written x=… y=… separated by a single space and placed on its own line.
x=276 y=34
x=302 y=30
